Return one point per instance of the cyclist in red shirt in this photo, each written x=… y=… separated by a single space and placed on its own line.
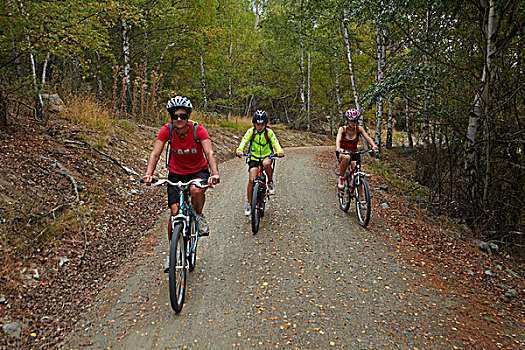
x=191 y=157
x=347 y=139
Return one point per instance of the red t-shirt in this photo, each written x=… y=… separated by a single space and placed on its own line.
x=350 y=144
x=186 y=156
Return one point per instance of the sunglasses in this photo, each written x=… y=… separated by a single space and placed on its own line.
x=182 y=116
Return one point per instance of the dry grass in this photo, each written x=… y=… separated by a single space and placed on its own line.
x=221 y=120
x=88 y=111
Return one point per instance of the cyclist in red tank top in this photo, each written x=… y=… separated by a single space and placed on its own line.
x=347 y=139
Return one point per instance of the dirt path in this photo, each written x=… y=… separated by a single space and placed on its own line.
x=311 y=278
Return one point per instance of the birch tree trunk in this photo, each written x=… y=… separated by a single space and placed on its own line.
x=353 y=79
x=308 y=101
x=230 y=55
x=303 y=75
x=481 y=105
x=39 y=103
x=257 y=13
x=338 y=95
x=381 y=57
x=203 y=84
x=125 y=51
x=44 y=69
x=426 y=126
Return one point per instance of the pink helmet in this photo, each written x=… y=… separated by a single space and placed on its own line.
x=352 y=114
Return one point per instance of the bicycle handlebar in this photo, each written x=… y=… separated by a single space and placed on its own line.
x=196 y=182
x=359 y=152
x=271 y=156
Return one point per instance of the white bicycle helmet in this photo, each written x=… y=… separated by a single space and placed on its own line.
x=179 y=102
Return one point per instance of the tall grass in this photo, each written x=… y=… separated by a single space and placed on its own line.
x=85 y=109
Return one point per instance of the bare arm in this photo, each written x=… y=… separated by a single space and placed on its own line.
x=368 y=139
x=338 y=139
x=154 y=156
x=214 y=178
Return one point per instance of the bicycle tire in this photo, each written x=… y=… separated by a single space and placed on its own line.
x=191 y=245
x=362 y=202
x=262 y=202
x=255 y=208
x=177 y=273
x=345 y=197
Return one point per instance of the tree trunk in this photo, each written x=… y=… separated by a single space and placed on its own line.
x=426 y=123
x=230 y=55
x=303 y=75
x=408 y=128
x=389 y=123
x=3 y=111
x=346 y=39
x=125 y=51
x=39 y=103
x=203 y=84
x=381 y=57
x=338 y=94
x=481 y=105
x=308 y=101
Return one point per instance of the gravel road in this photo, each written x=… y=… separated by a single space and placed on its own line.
x=310 y=279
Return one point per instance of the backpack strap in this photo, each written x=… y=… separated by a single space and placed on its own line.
x=168 y=146
x=195 y=126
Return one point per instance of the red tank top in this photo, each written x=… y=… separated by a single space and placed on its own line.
x=350 y=144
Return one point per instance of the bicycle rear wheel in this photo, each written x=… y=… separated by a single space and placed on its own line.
x=191 y=245
x=177 y=273
x=255 y=208
x=345 y=197
x=362 y=202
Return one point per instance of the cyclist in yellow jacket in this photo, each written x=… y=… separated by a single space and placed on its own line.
x=262 y=142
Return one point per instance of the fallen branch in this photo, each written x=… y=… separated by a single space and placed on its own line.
x=85 y=240
x=116 y=162
x=413 y=190
x=34 y=240
x=59 y=168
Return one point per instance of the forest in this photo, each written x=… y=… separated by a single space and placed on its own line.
x=446 y=75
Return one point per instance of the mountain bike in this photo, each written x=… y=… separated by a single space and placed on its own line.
x=356 y=187
x=260 y=193
x=183 y=240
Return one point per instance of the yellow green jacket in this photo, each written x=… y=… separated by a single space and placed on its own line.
x=262 y=143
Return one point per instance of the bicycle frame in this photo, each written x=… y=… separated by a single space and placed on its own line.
x=260 y=191
x=183 y=241
x=184 y=214
x=354 y=175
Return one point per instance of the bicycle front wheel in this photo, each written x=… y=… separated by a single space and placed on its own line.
x=177 y=273
x=363 y=205
x=255 y=208
x=191 y=245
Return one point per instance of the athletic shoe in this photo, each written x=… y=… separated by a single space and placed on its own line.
x=271 y=187
x=341 y=183
x=248 y=209
x=204 y=229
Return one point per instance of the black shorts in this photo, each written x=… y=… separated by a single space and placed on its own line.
x=253 y=164
x=353 y=157
x=173 y=192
